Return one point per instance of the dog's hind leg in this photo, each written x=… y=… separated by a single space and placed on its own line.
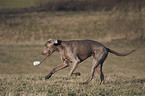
x=100 y=71
x=100 y=68
x=101 y=74
x=95 y=64
x=97 y=60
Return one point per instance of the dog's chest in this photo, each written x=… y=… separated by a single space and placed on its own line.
x=69 y=54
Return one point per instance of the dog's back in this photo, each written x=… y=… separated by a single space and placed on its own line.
x=82 y=48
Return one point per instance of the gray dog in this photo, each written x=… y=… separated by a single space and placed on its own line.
x=76 y=51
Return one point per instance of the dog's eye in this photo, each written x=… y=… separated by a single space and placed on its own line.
x=48 y=41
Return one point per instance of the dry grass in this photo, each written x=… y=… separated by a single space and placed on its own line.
x=36 y=27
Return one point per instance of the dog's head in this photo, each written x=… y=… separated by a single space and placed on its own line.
x=50 y=46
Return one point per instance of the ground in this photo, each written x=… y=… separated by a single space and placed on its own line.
x=123 y=75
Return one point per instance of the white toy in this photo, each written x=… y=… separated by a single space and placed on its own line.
x=35 y=63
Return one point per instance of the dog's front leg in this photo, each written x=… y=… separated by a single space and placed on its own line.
x=64 y=65
x=73 y=69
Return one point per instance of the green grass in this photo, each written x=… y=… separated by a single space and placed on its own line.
x=123 y=75
x=69 y=86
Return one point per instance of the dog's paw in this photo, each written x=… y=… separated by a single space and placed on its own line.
x=76 y=74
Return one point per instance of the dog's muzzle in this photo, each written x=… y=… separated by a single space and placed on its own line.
x=49 y=53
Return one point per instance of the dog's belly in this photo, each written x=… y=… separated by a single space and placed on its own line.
x=84 y=53
x=84 y=56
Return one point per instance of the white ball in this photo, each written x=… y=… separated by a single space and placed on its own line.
x=35 y=63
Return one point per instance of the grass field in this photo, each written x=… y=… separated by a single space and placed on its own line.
x=124 y=75
x=30 y=85
x=23 y=33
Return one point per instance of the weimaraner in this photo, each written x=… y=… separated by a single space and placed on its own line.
x=76 y=51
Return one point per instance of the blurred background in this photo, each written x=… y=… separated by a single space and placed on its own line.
x=25 y=25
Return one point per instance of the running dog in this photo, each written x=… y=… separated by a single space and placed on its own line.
x=76 y=51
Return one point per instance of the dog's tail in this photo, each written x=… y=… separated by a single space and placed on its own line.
x=119 y=54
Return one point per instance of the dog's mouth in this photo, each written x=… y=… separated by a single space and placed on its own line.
x=49 y=53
